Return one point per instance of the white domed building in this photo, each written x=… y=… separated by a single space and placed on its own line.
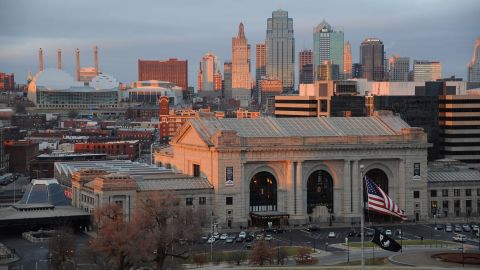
x=148 y=92
x=56 y=89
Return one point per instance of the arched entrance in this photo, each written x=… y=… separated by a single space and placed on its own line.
x=381 y=179
x=263 y=201
x=319 y=196
x=263 y=192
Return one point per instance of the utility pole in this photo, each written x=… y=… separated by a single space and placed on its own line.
x=362 y=225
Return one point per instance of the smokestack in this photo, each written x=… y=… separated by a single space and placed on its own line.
x=77 y=52
x=59 y=56
x=40 y=60
x=95 y=58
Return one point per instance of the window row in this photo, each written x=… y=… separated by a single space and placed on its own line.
x=201 y=200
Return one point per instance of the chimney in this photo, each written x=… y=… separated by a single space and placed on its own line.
x=77 y=52
x=59 y=60
x=95 y=58
x=40 y=60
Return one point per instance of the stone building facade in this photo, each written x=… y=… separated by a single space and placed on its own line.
x=302 y=170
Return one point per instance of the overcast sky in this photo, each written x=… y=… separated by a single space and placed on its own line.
x=127 y=30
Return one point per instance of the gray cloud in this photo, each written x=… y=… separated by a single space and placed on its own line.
x=128 y=30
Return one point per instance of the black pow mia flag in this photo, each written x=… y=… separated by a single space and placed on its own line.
x=386 y=242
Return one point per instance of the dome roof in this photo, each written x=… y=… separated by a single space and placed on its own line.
x=52 y=78
x=104 y=81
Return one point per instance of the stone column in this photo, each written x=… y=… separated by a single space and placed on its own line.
x=290 y=188
x=300 y=196
x=347 y=187
x=356 y=188
x=399 y=185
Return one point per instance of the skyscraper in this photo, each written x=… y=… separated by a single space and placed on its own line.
x=327 y=46
x=240 y=61
x=424 y=71
x=227 y=79
x=171 y=70
x=280 y=45
x=260 y=62
x=372 y=57
x=398 y=68
x=305 y=66
x=208 y=73
x=474 y=65
x=347 y=61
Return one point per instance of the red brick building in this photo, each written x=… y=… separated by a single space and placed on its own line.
x=115 y=150
x=7 y=81
x=172 y=70
x=21 y=153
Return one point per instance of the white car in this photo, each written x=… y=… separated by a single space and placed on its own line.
x=459 y=238
x=216 y=235
x=211 y=240
x=242 y=234
x=331 y=235
x=388 y=232
x=223 y=236
x=268 y=237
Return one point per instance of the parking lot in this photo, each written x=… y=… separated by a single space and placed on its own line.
x=323 y=237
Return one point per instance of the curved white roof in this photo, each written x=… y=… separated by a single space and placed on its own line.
x=104 y=81
x=52 y=78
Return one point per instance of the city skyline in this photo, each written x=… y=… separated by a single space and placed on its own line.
x=122 y=40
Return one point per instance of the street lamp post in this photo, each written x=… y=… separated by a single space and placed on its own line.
x=362 y=167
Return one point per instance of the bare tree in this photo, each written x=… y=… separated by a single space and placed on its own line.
x=170 y=227
x=282 y=255
x=62 y=249
x=304 y=257
x=260 y=254
x=237 y=257
x=118 y=241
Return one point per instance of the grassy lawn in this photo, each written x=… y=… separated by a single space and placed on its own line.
x=368 y=261
x=405 y=243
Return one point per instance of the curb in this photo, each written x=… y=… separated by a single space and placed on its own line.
x=391 y=260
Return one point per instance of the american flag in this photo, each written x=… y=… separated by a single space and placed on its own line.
x=378 y=201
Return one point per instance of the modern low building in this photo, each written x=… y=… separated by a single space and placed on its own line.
x=115 y=150
x=301 y=170
x=56 y=89
x=20 y=152
x=148 y=92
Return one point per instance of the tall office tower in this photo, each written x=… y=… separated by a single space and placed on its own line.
x=227 y=80
x=327 y=46
x=424 y=71
x=95 y=58
x=347 y=61
x=398 y=68
x=327 y=71
x=474 y=65
x=356 y=70
x=280 y=45
x=372 y=57
x=59 y=59
x=208 y=73
x=240 y=61
x=171 y=70
x=260 y=62
x=305 y=66
x=77 y=64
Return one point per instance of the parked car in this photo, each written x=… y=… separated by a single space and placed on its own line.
x=351 y=234
x=247 y=246
x=475 y=227
x=259 y=236
x=230 y=239
x=459 y=238
x=370 y=232
x=223 y=236
x=216 y=235
x=458 y=228
x=268 y=237
x=242 y=234
x=466 y=228
x=249 y=238
x=388 y=232
x=211 y=240
x=239 y=239
x=331 y=235
x=439 y=227
x=313 y=228
x=448 y=228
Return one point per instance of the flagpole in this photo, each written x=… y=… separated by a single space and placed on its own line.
x=362 y=225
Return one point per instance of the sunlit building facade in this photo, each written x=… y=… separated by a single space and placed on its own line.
x=171 y=70
x=372 y=56
x=424 y=71
x=305 y=66
x=474 y=65
x=209 y=73
x=398 y=68
x=347 y=60
x=280 y=46
x=327 y=46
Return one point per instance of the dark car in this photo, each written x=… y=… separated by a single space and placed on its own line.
x=313 y=228
x=439 y=227
x=249 y=238
x=239 y=239
x=4 y=183
x=351 y=234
